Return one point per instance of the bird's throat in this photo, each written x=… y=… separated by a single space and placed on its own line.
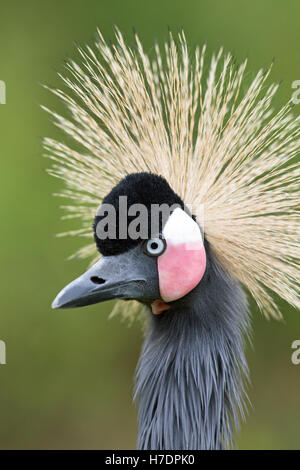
x=190 y=376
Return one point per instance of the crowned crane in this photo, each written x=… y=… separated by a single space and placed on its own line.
x=169 y=131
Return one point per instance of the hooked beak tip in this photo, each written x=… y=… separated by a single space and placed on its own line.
x=61 y=300
x=56 y=304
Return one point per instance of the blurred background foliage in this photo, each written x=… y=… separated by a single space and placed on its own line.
x=68 y=378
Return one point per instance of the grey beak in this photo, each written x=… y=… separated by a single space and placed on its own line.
x=130 y=275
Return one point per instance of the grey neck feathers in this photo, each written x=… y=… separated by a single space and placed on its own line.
x=191 y=373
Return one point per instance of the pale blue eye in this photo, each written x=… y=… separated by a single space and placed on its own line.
x=155 y=246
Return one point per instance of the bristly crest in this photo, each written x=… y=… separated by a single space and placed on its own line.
x=220 y=146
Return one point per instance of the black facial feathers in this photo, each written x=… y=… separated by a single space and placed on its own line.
x=139 y=188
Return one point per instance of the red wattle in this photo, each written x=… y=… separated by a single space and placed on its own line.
x=180 y=269
x=158 y=307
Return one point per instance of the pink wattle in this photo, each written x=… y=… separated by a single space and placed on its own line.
x=180 y=269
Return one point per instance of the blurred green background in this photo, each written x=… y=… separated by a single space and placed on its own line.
x=68 y=378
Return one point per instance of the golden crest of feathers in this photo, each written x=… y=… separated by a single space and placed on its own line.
x=219 y=144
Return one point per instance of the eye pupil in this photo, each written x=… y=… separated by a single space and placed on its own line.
x=154 y=245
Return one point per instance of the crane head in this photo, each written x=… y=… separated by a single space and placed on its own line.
x=152 y=248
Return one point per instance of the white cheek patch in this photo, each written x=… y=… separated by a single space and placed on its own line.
x=182 y=265
x=181 y=228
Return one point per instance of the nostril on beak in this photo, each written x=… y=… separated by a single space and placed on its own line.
x=97 y=280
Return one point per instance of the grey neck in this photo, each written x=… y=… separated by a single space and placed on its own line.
x=191 y=373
